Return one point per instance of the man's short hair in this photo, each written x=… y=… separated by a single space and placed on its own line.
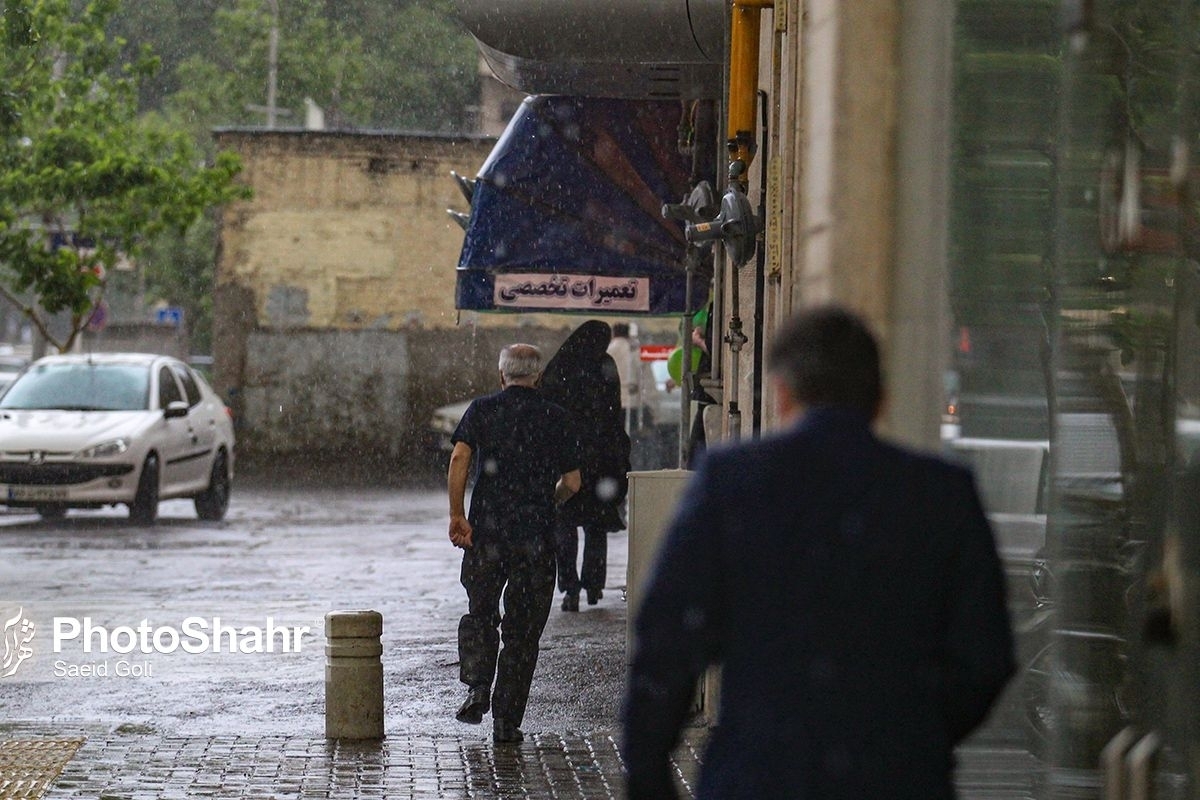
x=620 y=329
x=520 y=361
x=828 y=356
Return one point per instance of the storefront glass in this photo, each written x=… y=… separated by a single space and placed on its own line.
x=1073 y=277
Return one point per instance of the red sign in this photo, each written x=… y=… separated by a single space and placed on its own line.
x=656 y=352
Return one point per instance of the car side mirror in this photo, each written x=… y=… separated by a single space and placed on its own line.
x=175 y=408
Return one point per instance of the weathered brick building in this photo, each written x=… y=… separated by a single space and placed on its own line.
x=335 y=332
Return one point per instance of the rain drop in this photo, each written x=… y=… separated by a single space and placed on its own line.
x=607 y=489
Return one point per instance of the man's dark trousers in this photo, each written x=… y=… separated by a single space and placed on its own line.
x=522 y=569
x=594 y=570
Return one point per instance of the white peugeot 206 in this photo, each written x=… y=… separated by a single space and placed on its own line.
x=85 y=431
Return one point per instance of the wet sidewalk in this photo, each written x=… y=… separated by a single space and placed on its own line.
x=251 y=726
x=125 y=764
x=62 y=761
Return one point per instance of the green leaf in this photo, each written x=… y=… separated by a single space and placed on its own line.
x=83 y=183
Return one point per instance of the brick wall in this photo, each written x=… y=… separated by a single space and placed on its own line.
x=335 y=332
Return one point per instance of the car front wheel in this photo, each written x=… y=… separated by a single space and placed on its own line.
x=144 y=508
x=213 y=502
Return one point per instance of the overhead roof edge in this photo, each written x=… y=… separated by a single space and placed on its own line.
x=635 y=49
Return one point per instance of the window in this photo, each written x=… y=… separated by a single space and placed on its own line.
x=189 y=384
x=81 y=387
x=168 y=389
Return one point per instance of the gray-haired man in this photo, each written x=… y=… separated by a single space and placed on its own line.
x=526 y=457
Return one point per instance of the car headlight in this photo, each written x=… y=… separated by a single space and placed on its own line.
x=105 y=449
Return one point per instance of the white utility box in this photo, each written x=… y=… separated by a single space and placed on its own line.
x=653 y=496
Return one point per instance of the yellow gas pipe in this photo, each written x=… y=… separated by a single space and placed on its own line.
x=743 y=85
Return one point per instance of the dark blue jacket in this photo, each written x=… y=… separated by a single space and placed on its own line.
x=851 y=591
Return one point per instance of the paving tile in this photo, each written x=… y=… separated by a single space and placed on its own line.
x=132 y=766
x=74 y=762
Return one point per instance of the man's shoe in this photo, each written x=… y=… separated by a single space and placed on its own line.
x=594 y=596
x=504 y=732
x=570 y=601
x=475 y=706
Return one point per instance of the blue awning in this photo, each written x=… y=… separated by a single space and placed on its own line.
x=566 y=213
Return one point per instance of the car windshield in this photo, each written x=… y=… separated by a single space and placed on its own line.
x=81 y=387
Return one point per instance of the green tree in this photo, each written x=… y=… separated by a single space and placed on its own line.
x=422 y=66
x=393 y=64
x=175 y=29
x=179 y=267
x=83 y=183
x=228 y=85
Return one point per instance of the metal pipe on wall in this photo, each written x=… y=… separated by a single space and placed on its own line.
x=744 y=24
x=760 y=277
x=744 y=27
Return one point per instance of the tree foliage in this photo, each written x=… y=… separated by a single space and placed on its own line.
x=422 y=67
x=227 y=84
x=371 y=64
x=84 y=184
x=175 y=29
x=179 y=267
x=102 y=142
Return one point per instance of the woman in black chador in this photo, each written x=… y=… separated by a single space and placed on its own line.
x=582 y=378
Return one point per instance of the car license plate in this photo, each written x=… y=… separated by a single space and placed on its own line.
x=36 y=493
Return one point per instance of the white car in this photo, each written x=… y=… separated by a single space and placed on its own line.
x=84 y=431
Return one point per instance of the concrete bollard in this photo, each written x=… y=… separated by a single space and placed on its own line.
x=353 y=675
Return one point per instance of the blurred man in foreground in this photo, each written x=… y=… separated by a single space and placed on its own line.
x=851 y=591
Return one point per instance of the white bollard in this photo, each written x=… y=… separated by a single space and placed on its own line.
x=353 y=675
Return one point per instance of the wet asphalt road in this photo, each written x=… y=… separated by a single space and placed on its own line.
x=289 y=553
x=293 y=550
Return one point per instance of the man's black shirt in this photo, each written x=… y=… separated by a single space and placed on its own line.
x=522 y=443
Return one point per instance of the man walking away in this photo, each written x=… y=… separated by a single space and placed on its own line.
x=850 y=589
x=526 y=461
